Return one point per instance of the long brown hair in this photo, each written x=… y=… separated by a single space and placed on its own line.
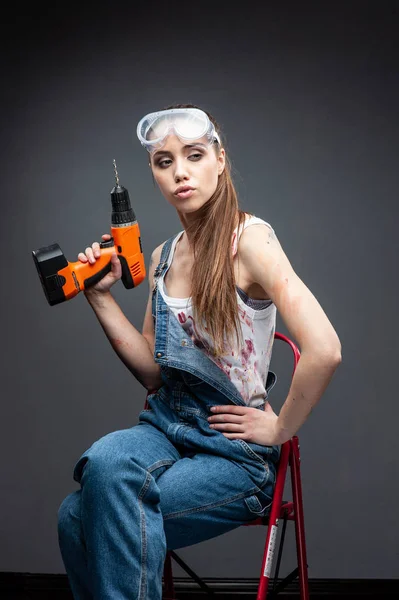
x=213 y=290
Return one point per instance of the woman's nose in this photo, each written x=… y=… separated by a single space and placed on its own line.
x=180 y=171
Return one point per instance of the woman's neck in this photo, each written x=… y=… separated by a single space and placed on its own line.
x=185 y=242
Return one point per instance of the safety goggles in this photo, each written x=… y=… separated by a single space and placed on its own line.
x=188 y=124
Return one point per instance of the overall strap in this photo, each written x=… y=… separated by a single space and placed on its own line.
x=163 y=263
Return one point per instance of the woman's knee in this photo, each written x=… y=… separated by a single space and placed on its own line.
x=103 y=459
x=68 y=511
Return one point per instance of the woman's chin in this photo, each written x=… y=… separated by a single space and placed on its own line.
x=188 y=206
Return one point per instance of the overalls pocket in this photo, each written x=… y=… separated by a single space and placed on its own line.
x=260 y=502
x=247 y=448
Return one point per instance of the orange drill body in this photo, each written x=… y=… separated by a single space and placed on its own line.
x=127 y=244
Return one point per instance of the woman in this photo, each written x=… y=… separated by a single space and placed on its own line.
x=186 y=473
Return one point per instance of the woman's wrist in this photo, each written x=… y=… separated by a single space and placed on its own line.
x=95 y=297
x=282 y=434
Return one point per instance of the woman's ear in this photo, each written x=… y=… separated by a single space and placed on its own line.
x=221 y=161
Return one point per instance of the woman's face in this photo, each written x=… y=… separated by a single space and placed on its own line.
x=177 y=165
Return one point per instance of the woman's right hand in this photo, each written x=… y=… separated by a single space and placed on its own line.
x=90 y=255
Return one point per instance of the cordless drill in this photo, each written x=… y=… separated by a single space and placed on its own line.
x=62 y=280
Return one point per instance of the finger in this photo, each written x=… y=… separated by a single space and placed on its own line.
x=106 y=236
x=96 y=249
x=115 y=260
x=225 y=408
x=89 y=254
x=226 y=418
x=82 y=257
x=232 y=427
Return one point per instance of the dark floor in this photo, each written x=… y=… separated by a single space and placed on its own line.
x=64 y=595
x=29 y=586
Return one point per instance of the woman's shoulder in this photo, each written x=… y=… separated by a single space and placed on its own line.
x=250 y=219
x=157 y=252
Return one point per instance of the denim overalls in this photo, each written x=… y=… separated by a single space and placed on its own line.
x=167 y=482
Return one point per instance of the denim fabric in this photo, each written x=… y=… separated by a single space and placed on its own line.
x=167 y=482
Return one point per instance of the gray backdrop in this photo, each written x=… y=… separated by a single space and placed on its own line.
x=308 y=101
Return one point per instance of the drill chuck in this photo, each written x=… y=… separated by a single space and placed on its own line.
x=122 y=212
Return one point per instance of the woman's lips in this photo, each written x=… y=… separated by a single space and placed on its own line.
x=185 y=194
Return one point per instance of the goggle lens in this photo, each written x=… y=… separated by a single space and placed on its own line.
x=188 y=127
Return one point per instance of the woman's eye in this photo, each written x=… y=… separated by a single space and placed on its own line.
x=164 y=163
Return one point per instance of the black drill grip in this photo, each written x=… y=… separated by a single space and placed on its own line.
x=127 y=278
x=97 y=276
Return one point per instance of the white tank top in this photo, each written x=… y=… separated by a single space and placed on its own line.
x=248 y=368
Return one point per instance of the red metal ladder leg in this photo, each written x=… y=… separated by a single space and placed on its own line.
x=169 y=590
x=273 y=523
x=299 y=519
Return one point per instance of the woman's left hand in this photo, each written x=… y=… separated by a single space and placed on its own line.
x=247 y=423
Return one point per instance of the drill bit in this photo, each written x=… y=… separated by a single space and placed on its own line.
x=116 y=174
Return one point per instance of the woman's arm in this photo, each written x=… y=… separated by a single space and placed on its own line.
x=133 y=348
x=264 y=259
x=311 y=378
x=129 y=344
